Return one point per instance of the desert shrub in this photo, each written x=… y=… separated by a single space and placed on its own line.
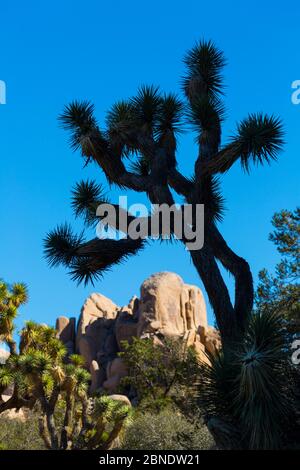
x=167 y=430
x=161 y=374
x=18 y=435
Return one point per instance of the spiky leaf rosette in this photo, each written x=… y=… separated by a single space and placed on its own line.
x=19 y=294
x=263 y=399
x=97 y=256
x=249 y=386
x=121 y=129
x=77 y=360
x=61 y=245
x=146 y=108
x=87 y=261
x=3 y=291
x=169 y=122
x=259 y=140
x=215 y=386
x=6 y=378
x=108 y=409
x=33 y=362
x=78 y=118
x=7 y=317
x=86 y=196
x=204 y=64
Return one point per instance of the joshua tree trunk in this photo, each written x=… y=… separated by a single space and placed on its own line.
x=52 y=430
x=12 y=347
x=44 y=432
x=68 y=420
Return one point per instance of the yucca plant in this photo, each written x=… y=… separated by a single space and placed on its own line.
x=11 y=298
x=107 y=419
x=247 y=393
x=42 y=378
x=137 y=150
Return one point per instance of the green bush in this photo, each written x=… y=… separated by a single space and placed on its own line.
x=161 y=374
x=168 y=430
x=19 y=435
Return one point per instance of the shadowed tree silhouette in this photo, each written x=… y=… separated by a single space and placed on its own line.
x=145 y=130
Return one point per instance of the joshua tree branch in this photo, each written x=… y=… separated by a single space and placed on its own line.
x=240 y=269
x=12 y=346
x=17 y=402
x=114 y=168
x=113 y=435
x=180 y=183
x=95 y=440
x=52 y=430
x=68 y=418
x=43 y=431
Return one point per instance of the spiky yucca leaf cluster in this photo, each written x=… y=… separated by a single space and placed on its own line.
x=86 y=197
x=78 y=118
x=87 y=261
x=37 y=337
x=106 y=408
x=146 y=106
x=261 y=137
x=120 y=125
x=130 y=124
x=263 y=395
x=204 y=64
x=108 y=419
x=61 y=245
x=203 y=86
x=11 y=298
x=249 y=388
x=171 y=112
x=259 y=140
x=149 y=117
x=6 y=378
x=98 y=259
x=152 y=114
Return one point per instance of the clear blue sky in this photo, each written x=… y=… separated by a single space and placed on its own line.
x=54 y=52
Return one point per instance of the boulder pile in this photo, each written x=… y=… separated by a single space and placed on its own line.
x=167 y=307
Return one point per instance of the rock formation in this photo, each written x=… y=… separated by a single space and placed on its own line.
x=166 y=308
x=4 y=355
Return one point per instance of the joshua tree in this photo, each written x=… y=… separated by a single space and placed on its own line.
x=42 y=378
x=11 y=298
x=145 y=130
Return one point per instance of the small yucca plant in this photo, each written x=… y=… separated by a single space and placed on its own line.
x=247 y=391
